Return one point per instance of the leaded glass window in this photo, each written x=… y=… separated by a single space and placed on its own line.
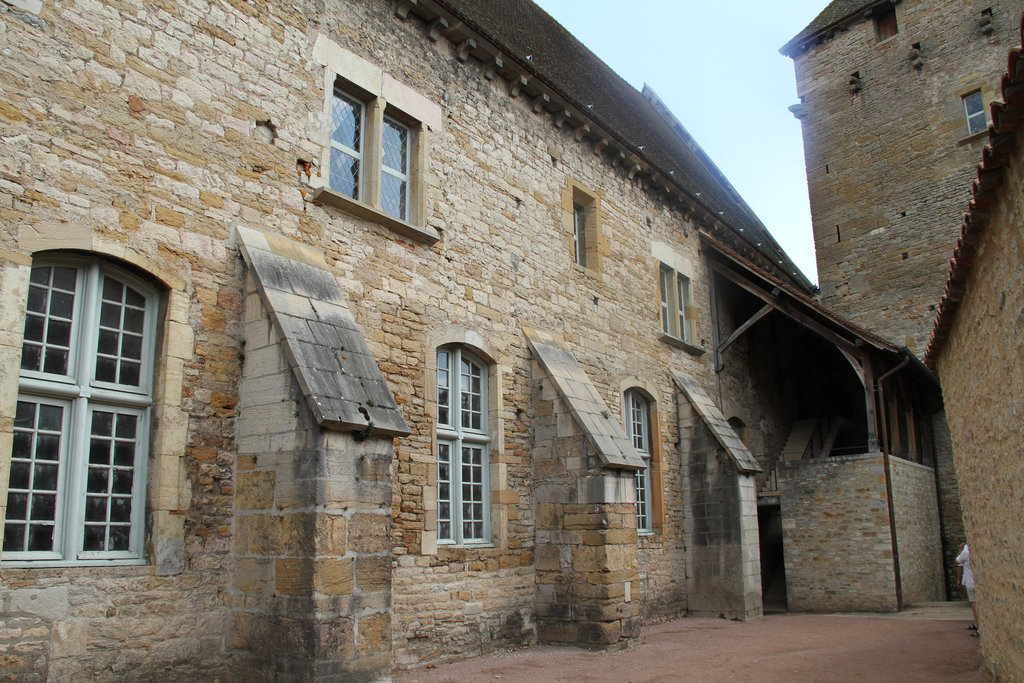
x=394 y=180
x=347 y=123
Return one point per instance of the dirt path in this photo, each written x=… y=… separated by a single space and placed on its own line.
x=925 y=644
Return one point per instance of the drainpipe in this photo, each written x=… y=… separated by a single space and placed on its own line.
x=888 y=481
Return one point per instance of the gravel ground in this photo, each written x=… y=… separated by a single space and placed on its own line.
x=927 y=643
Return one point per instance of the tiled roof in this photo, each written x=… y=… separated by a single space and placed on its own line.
x=329 y=357
x=541 y=46
x=811 y=304
x=837 y=13
x=1007 y=119
x=606 y=437
x=723 y=432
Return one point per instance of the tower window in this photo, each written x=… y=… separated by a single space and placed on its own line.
x=885 y=23
x=974 y=110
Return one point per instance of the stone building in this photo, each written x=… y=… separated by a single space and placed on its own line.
x=975 y=348
x=893 y=97
x=359 y=334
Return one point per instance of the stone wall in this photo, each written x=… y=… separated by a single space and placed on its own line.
x=978 y=367
x=889 y=167
x=723 y=569
x=918 y=541
x=951 y=516
x=835 y=525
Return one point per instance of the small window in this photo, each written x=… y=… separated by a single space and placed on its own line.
x=76 y=491
x=638 y=428
x=579 y=234
x=675 y=304
x=581 y=220
x=974 y=110
x=462 y=448
x=885 y=23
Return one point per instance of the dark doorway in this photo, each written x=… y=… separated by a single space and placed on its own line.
x=773 y=565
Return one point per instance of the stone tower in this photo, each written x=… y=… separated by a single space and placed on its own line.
x=894 y=102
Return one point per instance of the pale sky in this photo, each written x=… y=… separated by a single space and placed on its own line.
x=717 y=66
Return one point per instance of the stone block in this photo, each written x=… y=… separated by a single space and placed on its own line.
x=293 y=575
x=255 y=490
x=333 y=576
x=373 y=573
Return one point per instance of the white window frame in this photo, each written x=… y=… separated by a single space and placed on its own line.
x=675 y=296
x=979 y=114
x=80 y=394
x=638 y=429
x=456 y=436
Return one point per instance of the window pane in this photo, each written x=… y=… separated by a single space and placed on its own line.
x=683 y=300
x=34 y=477
x=346 y=119
x=119 y=537
x=106 y=369
x=344 y=173
x=20 y=473
x=14 y=537
x=110 y=478
x=64 y=278
x=30 y=357
x=974 y=108
x=49 y=311
x=642 y=517
x=393 y=191
x=62 y=304
x=444 y=490
x=396 y=146
x=666 y=318
x=59 y=333
x=40 y=537
x=34 y=328
x=95 y=538
x=45 y=477
x=56 y=362
x=122 y=305
x=95 y=509
x=579 y=234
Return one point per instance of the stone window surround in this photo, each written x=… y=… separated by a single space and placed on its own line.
x=381 y=95
x=575 y=194
x=500 y=497
x=168 y=490
x=656 y=470
x=670 y=259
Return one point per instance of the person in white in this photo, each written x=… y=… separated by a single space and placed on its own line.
x=966 y=577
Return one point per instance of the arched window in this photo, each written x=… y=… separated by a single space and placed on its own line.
x=462 y=448
x=638 y=428
x=76 y=492
x=740 y=428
